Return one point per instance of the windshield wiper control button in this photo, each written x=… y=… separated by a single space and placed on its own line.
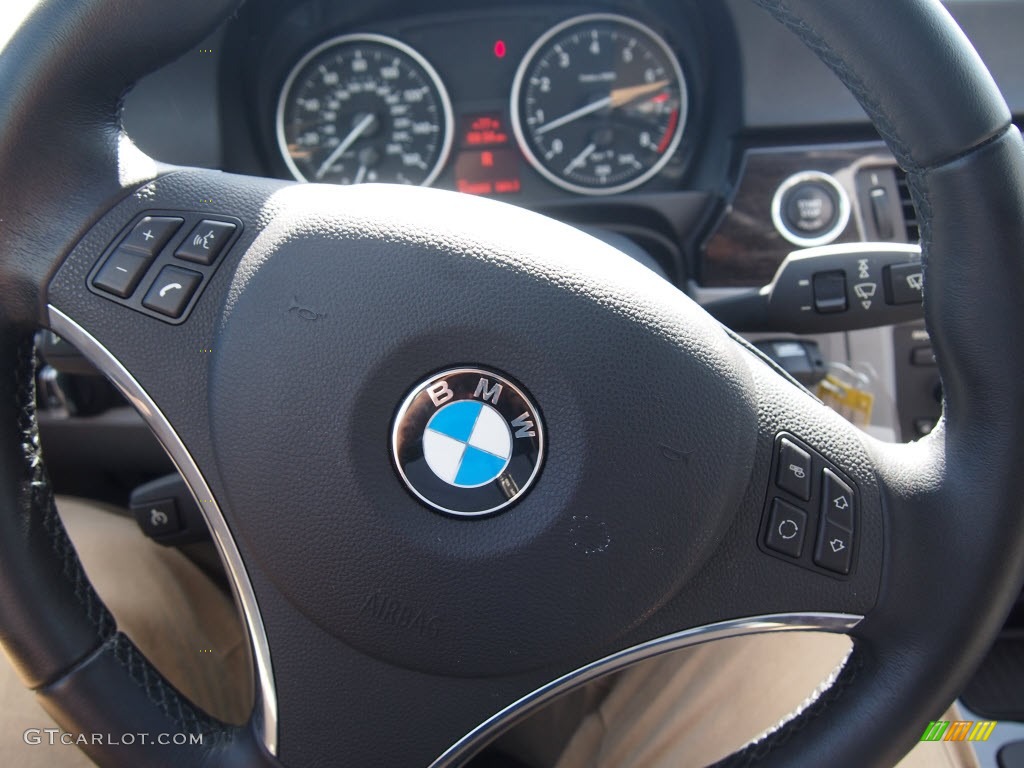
x=904 y=284
x=831 y=288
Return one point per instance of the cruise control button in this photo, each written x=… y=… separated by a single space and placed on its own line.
x=205 y=242
x=172 y=290
x=121 y=273
x=786 y=529
x=794 y=473
x=837 y=500
x=835 y=548
x=152 y=233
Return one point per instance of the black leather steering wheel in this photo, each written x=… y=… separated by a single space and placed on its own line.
x=645 y=528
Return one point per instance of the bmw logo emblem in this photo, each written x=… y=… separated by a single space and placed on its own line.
x=468 y=442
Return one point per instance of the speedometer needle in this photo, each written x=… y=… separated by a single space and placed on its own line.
x=359 y=129
x=617 y=98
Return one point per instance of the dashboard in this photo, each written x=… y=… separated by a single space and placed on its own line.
x=526 y=103
x=598 y=106
x=670 y=123
x=699 y=136
x=769 y=153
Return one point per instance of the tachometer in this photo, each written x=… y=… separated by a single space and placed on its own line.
x=364 y=108
x=599 y=103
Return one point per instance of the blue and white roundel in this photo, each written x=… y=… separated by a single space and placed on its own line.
x=467 y=444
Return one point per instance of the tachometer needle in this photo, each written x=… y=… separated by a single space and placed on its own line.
x=617 y=98
x=580 y=159
x=359 y=129
x=622 y=96
x=360 y=175
x=576 y=114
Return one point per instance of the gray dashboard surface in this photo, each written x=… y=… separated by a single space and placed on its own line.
x=787 y=86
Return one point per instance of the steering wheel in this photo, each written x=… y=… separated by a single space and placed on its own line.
x=390 y=633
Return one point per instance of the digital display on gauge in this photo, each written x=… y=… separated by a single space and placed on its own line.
x=484 y=130
x=487 y=171
x=487 y=164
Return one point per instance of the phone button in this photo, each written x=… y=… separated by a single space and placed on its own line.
x=171 y=291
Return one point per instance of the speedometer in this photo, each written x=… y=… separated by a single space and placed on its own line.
x=364 y=108
x=599 y=103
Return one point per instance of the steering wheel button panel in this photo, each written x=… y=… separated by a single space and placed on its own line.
x=172 y=290
x=805 y=482
x=204 y=243
x=794 y=469
x=786 y=529
x=151 y=244
x=121 y=272
x=152 y=233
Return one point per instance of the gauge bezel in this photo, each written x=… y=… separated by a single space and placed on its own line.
x=367 y=37
x=527 y=61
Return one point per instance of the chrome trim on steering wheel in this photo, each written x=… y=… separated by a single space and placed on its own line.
x=468 y=745
x=109 y=365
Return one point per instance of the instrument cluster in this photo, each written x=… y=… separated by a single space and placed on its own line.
x=499 y=103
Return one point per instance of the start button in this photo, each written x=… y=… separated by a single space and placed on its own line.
x=810 y=209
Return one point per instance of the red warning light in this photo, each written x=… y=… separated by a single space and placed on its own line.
x=500 y=49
